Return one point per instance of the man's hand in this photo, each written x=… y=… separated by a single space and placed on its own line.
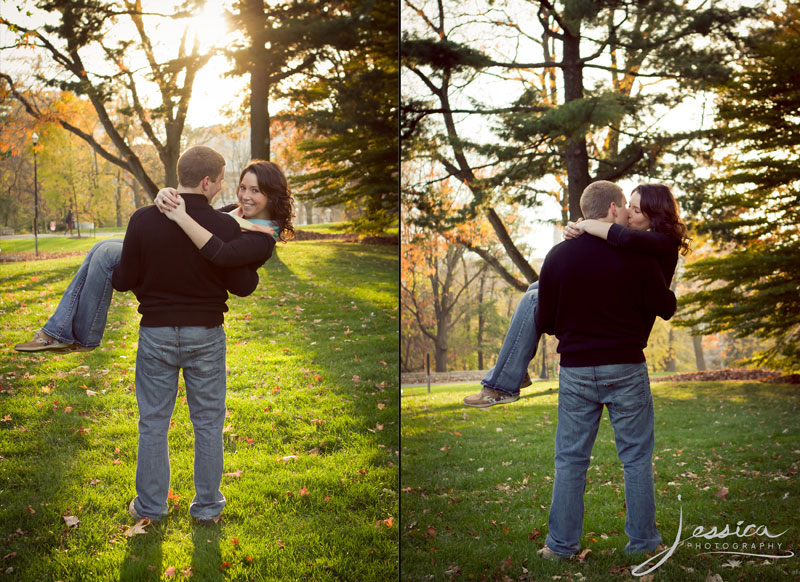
x=167 y=199
x=573 y=229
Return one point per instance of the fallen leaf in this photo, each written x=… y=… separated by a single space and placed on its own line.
x=534 y=534
x=388 y=522
x=722 y=493
x=224 y=566
x=9 y=556
x=235 y=541
x=303 y=491
x=583 y=554
x=732 y=564
x=356 y=379
x=453 y=570
x=431 y=531
x=71 y=520
x=714 y=577
x=138 y=528
x=91 y=393
x=236 y=475
x=169 y=572
x=286 y=459
x=280 y=544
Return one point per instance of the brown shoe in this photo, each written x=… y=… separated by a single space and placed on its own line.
x=42 y=342
x=548 y=554
x=210 y=521
x=488 y=397
x=77 y=348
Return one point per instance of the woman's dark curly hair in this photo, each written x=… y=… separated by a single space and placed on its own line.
x=273 y=184
x=659 y=205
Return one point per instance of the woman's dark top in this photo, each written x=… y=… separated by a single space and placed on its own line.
x=252 y=249
x=651 y=242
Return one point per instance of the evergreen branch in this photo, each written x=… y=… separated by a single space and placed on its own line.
x=623 y=168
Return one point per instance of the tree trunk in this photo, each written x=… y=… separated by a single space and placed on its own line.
x=481 y=322
x=544 y=375
x=576 y=156
x=259 y=79
x=259 y=111
x=697 y=342
x=671 y=364
x=118 y=199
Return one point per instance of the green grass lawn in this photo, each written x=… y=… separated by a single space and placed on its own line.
x=476 y=484
x=50 y=245
x=311 y=439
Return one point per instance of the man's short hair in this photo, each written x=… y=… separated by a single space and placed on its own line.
x=198 y=162
x=598 y=196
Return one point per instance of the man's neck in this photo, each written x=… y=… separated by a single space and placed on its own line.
x=186 y=190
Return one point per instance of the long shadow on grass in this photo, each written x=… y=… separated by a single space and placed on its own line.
x=206 y=553
x=287 y=336
x=144 y=557
x=24 y=282
x=44 y=465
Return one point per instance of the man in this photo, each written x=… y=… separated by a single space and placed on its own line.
x=601 y=302
x=182 y=299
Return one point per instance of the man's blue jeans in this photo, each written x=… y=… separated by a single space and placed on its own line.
x=519 y=346
x=80 y=316
x=162 y=352
x=582 y=393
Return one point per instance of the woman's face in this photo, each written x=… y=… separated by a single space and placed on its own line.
x=637 y=220
x=252 y=199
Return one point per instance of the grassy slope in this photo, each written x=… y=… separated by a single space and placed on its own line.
x=476 y=484
x=312 y=358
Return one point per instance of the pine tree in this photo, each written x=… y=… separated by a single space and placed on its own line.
x=754 y=210
x=352 y=114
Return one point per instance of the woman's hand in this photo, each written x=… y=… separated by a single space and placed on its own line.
x=573 y=229
x=167 y=199
x=178 y=212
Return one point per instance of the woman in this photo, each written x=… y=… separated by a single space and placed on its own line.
x=654 y=227
x=265 y=212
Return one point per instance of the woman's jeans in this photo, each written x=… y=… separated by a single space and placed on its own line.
x=582 y=393
x=162 y=353
x=82 y=312
x=519 y=346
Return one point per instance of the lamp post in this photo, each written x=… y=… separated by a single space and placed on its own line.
x=35 y=197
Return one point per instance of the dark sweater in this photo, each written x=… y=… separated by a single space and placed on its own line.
x=600 y=301
x=253 y=248
x=174 y=284
x=659 y=245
